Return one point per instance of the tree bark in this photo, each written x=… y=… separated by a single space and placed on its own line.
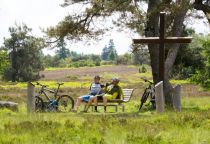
x=152 y=29
x=177 y=30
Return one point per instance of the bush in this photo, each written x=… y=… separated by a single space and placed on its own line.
x=107 y=63
x=98 y=63
x=142 y=69
x=202 y=76
x=4 y=62
x=8 y=73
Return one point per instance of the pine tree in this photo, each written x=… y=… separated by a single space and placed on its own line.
x=63 y=52
x=105 y=53
x=24 y=54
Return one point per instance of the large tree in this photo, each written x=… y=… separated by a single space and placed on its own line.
x=24 y=54
x=131 y=15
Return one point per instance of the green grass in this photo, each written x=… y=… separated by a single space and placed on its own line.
x=181 y=82
x=189 y=126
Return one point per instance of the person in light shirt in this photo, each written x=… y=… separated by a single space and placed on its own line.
x=95 y=89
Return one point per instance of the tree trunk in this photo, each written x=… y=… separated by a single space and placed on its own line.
x=152 y=29
x=177 y=30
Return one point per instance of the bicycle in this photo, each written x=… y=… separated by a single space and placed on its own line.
x=149 y=91
x=60 y=103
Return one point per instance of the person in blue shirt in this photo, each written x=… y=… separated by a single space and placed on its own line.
x=95 y=89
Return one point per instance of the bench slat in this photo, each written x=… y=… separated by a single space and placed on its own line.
x=127 y=93
x=127 y=89
x=126 y=99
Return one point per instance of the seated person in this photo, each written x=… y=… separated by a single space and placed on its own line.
x=95 y=89
x=113 y=91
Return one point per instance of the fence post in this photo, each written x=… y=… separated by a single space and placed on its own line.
x=30 y=98
x=177 y=98
x=160 y=104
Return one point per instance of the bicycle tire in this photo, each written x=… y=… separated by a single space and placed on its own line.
x=143 y=99
x=39 y=104
x=63 y=105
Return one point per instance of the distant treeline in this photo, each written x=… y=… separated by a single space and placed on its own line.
x=21 y=57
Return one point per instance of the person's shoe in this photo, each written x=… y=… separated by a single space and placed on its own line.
x=96 y=111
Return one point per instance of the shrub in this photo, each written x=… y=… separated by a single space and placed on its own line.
x=142 y=69
x=107 y=63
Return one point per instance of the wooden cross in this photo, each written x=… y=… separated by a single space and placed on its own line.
x=161 y=40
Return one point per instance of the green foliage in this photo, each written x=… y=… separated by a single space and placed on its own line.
x=73 y=59
x=189 y=58
x=4 y=61
x=141 y=56
x=109 y=53
x=51 y=61
x=124 y=59
x=107 y=63
x=142 y=69
x=83 y=63
x=202 y=76
x=24 y=54
x=62 y=52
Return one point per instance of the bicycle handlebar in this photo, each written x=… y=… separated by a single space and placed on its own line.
x=37 y=83
x=146 y=80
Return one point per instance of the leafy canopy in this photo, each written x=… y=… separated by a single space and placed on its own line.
x=24 y=51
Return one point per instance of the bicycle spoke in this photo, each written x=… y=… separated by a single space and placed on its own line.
x=65 y=104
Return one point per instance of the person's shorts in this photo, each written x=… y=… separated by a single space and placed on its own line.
x=86 y=98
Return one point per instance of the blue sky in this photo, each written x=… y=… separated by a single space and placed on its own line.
x=38 y=14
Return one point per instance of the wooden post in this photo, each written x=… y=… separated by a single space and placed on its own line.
x=159 y=99
x=177 y=98
x=30 y=98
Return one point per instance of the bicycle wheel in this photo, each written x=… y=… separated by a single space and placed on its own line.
x=39 y=105
x=144 y=99
x=65 y=103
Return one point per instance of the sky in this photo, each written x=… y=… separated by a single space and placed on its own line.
x=38 y=14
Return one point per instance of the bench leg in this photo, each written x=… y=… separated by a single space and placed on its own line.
x=123 y=108
x=116 y=108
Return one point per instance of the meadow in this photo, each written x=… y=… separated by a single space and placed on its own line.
x=190 y=126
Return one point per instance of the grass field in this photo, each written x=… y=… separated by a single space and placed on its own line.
x=190 y=126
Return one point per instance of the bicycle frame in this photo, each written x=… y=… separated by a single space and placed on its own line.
x=43 y=89
x=53 y=103
x=148 y=92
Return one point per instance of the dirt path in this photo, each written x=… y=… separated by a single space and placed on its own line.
x=87 y=71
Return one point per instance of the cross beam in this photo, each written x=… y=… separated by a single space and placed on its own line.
x=157 y=40
x=161 y=40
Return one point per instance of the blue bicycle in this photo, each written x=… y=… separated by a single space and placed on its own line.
x=59 y=103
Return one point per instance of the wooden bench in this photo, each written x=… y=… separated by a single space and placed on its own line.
x=127 y=93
